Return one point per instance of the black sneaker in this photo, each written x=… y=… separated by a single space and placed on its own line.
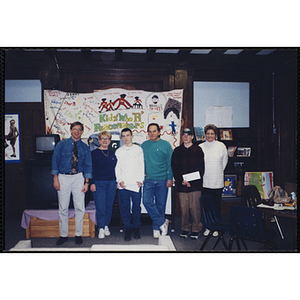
x=136 y=233
x=127 y=237
x=61 y=240
x=195 y=235
x=78 y=240
x=184 y=234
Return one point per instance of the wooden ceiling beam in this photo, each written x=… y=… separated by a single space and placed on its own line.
x=150 y=54
x=183 y=54
x=118 y=53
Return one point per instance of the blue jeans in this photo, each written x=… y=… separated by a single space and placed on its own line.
x=127 y=197
x=155 y=195
x=104 y=198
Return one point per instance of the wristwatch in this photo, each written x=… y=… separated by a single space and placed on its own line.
x=86 y=182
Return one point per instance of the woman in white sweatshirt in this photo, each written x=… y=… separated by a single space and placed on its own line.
x=215 y=161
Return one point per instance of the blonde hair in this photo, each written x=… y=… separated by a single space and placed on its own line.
x=106 y=133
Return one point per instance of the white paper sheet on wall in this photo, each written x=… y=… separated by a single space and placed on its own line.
x=221 y=116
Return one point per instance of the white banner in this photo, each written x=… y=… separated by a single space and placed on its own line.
x=113 y=110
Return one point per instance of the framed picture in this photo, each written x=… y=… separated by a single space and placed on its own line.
x=231 y=150
x=199 y=133
x=229 y=189
x=226 y=134
x=12 y=138
x=243 y=152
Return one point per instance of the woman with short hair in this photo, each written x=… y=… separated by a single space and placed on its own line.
x=215 y=160
x=103 y=183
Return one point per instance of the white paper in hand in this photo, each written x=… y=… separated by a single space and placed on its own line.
x=192 y=176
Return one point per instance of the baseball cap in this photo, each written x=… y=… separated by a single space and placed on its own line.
x=188 y=131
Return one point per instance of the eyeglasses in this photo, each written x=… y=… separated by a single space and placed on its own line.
x=105 y=139
x=76 y=129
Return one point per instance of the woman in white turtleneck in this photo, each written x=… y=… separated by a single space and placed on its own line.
x=215 y=161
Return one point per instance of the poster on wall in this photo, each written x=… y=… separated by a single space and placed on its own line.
x=262 y=180
x=229 y=189
x=199 y=133
x=113 y=110
x=12 y=138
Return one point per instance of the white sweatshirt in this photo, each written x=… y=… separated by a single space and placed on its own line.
x=215 y=161
x=130 y=165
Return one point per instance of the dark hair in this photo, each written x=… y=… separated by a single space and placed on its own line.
x=125 y=130
x=154 y=124
x=77 y=123
x=213 y=127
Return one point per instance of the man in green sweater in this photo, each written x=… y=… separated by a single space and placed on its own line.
x=159 y=177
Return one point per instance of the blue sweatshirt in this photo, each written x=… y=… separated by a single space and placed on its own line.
x=103 y=165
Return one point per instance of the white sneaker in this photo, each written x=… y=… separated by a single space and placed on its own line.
x=101 y=234
x=106 y=231
x=156 y=234
x=215 y=233
x=206 y=232
x=164 y=227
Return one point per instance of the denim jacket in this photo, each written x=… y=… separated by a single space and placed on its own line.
x=62 y=158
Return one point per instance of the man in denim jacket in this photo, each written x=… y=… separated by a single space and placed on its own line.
x=68 y=179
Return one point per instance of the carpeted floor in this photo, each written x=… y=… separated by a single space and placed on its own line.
x=14 y=233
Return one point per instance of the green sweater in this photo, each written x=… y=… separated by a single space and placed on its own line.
x=157 y=157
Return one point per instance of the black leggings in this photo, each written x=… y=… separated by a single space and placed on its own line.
x=216 y=195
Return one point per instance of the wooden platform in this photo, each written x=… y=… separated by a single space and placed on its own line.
x=41 y=228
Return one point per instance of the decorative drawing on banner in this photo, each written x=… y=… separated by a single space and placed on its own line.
x=113 y=110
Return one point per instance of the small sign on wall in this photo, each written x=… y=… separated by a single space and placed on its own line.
x=220 y=116
x=12 y=138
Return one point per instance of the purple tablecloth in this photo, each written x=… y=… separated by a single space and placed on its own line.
x=52 y=214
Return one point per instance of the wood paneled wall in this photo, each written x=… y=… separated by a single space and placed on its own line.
x=270 y=88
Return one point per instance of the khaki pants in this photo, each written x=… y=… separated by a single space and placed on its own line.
x=70 y=184
x=190 y=207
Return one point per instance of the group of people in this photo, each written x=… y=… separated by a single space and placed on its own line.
x=197 y=170
x=128 y=169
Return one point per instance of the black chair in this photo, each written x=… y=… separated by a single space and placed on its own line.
x=251 y=198
x=246 y=224
x=213 y=221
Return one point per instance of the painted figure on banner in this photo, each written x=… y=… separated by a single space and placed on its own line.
x=103 y=105
x=122 y=101
x=172 y=114
x=110 y=106
x=156 y=102
x=137 y=103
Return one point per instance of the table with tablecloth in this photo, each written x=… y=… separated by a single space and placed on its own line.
x=44 y=222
